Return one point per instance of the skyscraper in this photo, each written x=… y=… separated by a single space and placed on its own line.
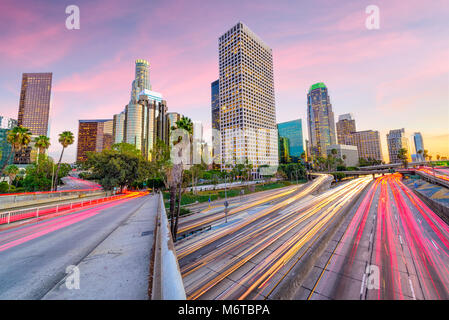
x=247 y=106
x=345 y=126
x=34 y=108
x=93 y=136
x=118 y=127
x=215 y=106
x=396 y=140
x=320 y=119
x=367 y=143
x=6 y=124
x=293 y=131
x=418 y=145
x=144 y=119
x=34 y=105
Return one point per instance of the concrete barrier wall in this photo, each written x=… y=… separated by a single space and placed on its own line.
x=432 y=179
x=441 y=210
x=166 y=276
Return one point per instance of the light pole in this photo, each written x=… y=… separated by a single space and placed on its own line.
x=52 y=177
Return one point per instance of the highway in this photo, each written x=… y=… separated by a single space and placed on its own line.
x=391 y=247
x=34 y=257
x=249 y=257
x=237 y=204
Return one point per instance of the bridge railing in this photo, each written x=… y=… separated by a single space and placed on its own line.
x=11 y=216
x=166 y=283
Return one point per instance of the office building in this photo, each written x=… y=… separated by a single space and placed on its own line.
x=349 y=154
x=215 y=108
x=367 y=143
x=93 y=136
x=284 y=150
x=34 y=109
x=118 y=127
x=144 y=119
x=320 y=118
x=397 y=140
x=34 y=105
x=293 y=131
x=6 y=124
x=345 y=126
x=246 y=97
x=418 y=144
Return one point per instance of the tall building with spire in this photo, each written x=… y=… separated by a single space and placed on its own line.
x=320 y=118
x=246 y=97
x=144 y=119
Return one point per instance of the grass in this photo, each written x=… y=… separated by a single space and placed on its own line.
x=203 y=196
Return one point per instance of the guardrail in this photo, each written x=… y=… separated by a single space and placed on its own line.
x=36 y=212
x=27 y=196
x=166 y=276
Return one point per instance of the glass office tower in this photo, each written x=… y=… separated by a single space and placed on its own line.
x=293 y=131
x=320 y=119
x=418 y=144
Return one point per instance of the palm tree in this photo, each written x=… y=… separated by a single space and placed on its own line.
x=420 y=152
x=186 y=124
x=426 y=154
x=42 y=143
x=19 y=138
x=12 y=171
x=66 y=138
x=402 y=155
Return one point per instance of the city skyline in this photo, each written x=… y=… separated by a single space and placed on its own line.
x=384 y=89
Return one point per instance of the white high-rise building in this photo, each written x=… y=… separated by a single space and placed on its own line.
x=247 y=106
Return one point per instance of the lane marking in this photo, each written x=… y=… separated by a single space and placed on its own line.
x=434 y=244
x=411 y=287
x=363 y=284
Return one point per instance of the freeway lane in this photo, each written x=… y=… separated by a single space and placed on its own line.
x=186 y=248
x=33 y=258
x=394 y=247
x=254 y=258
x=208 y=216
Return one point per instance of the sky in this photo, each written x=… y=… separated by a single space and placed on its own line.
x=393 y=77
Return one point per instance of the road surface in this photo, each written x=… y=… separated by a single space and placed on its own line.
x=392 y=247
x=34 y=258
x=248 y=257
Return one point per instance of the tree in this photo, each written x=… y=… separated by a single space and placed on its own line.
x=426 y=154
x=42 y=143
x=402 y=155
x=19 y=138
x=11 y=170
x=66 y=138
x=120 y=168
x=175 y=175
